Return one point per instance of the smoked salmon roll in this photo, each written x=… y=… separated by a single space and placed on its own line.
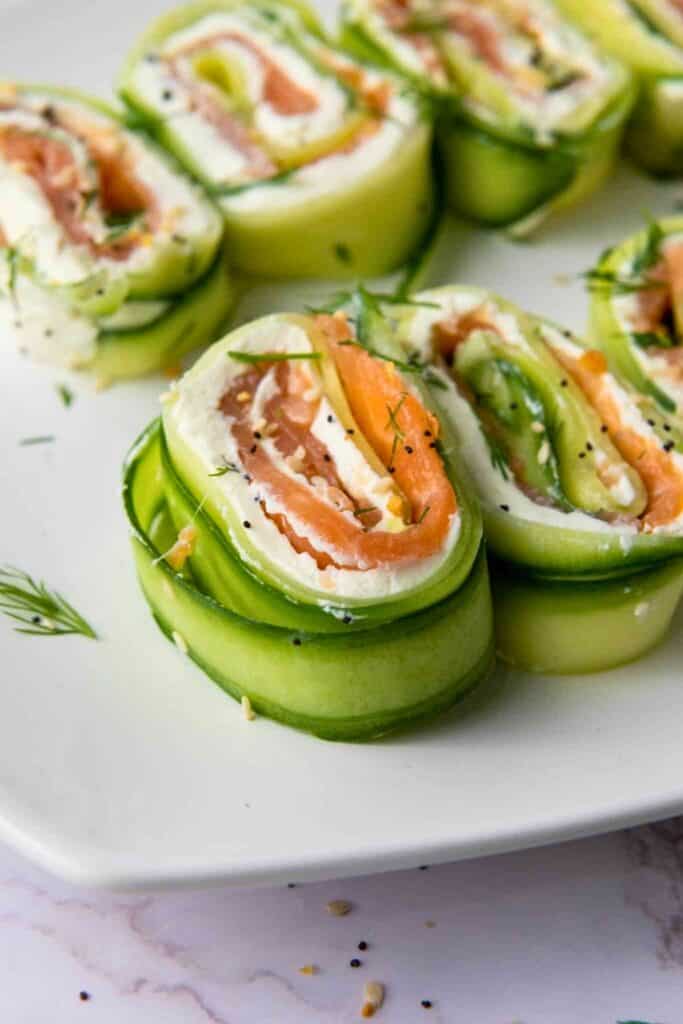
x=579 y=475
x=529 y=112
x=637 y=316
x=647 y=35
x=110 y=256
x=303 y=530
x=320 y=164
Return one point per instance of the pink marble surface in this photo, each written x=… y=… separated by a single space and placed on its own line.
x=589 y=932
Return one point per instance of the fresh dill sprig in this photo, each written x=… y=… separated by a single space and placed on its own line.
x=66 y=394
x=38 y=610
x=271 y=357
x=499 y=459
x=423 y=515
x=609 y=280
x=228 y=467
x=39 y=439
x=652 y=339
x=649 y=254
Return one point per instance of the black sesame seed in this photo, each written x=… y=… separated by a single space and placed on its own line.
x=667 y=427
x=589 y=446
x=347 y=619
x=167 y=94
x=350 y=430
x=432 y=444
x=246 y=524
x=362 y=946
x=330 y=419
x=84 y=996
x=35 y=619
x=48 y=332
x=408 y=450
x=327 y=458
x=582 y=455
x=514 y=405
x=391 y=469
x=355 y=962
x=50 y=114
x=603 y=429
x=424 y=867
x=253 y=449
x=291 y=885
x=296 y=641
x=505 y=508
x=426 y=1004
x=428 y=433
x=567 y=333
x=651 y=423
x=668 y=446
x=563 y=382
x=257 y=435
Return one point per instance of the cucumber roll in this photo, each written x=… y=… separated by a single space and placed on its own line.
x=302 y=529
x=530 y=113
x=320 y=164
x=647 y=35
x=580 y=479
x=637 y=316
x=110 y=257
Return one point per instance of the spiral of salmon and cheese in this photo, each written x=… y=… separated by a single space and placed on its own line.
x=577 y=471
x=637 y=315
x=647 y=35
x=320 y=164
x=99 y=234
x=320 y=463
x=535 y=112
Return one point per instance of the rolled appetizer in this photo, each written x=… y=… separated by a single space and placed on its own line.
x=647 y=35
x=304 y=532
x=580 y=479
x=637 y=316
x=320 y=164
x=109 y=255
x=530 y=113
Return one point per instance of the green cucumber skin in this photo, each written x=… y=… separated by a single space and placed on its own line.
x=565 y=628
x=364 y=230
x=194 y=320
x=654 y=137
x=354 y=687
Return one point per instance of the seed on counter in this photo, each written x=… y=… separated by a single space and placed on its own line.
x=247 y=709
x=426 y=1004
x=362 y=945
x=430 y=924
x=308 y=969
x=338 y=908
x=373 y=997
x=355 y=962
x=84 y=996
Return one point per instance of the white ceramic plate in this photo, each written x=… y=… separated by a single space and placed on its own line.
x=121 y=764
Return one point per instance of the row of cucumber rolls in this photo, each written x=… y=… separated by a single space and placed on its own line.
x=308 y=159
x=307 y=515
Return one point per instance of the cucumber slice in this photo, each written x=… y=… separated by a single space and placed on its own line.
x=354 y=687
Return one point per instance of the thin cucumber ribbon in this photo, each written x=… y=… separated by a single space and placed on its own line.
x=321 y=165
x=580 y=479
x=107 y=251
x=637 y=319
x=647 y=35
x=529 y=113
x=320 y=513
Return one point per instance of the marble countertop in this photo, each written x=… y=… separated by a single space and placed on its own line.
x=589 y=931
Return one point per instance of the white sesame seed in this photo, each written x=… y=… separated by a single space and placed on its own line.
x=537 y=427
x=543 y=453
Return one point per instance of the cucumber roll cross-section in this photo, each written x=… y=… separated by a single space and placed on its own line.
x=647 y=35
x=303 y=530
x=321 y=165
x=110 y=257
x=529 y=112
x=580 y=479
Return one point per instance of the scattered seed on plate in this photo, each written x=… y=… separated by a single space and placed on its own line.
x=373 y=997
x=338 y=908
x=308 y=969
